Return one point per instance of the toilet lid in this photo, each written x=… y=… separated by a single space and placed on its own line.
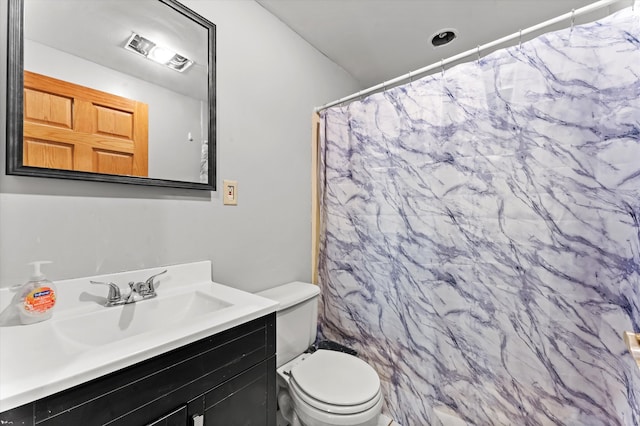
x=336 y=378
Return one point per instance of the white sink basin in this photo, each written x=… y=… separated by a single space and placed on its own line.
x=120 y=322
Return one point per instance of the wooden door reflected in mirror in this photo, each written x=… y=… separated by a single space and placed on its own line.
x=72 y=127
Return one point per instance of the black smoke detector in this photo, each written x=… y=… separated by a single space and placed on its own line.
x=443 y=37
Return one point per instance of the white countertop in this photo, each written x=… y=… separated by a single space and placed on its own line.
x=38 y=360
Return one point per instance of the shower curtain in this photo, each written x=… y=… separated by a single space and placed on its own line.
x=480 y=237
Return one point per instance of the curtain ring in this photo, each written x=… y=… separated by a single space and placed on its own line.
x=573 y=18
x=410 y=77
x=520 y=45
x=478 y=51
x=442 y=66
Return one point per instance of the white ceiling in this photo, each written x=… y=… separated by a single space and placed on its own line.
x=373 y=40
x=378 y=40
x=96 y=30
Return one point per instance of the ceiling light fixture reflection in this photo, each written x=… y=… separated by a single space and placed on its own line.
x=160 y=54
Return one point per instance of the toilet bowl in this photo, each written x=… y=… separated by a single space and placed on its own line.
x=330 y=388
x=323 y=388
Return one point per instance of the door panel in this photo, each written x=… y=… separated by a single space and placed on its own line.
x=112 y=122
x=47 y=108
x=113 y=162
x=50 y=154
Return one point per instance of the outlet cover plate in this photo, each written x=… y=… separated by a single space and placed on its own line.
x=230 y=192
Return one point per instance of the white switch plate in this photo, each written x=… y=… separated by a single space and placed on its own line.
x=230 y=192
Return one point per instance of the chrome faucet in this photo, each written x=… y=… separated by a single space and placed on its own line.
x=146 y=290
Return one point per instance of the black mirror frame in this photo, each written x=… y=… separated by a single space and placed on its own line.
x=15 y=117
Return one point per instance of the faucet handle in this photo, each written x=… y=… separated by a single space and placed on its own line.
x=134 y=288
x=114 y=295
x=149 y=281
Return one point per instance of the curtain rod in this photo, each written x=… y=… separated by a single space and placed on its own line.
x=476 y=51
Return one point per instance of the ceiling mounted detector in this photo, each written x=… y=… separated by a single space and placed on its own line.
x=443 y=37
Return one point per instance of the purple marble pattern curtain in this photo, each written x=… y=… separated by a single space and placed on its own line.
x=480 y=240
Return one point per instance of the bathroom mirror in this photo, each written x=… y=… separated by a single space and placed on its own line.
x=112 y=91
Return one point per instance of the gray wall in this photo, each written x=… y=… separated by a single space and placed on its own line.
x=268 y=82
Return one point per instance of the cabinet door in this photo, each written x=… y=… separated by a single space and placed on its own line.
x=244 y=400
x=177 y=417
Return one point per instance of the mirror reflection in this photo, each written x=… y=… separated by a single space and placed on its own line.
x=117 y=87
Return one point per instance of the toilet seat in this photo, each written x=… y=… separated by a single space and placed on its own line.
x=336 y=382
x=345 y=410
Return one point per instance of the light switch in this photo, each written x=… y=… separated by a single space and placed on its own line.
x=230 y=192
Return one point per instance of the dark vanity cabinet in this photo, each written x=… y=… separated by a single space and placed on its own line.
x=223 y=380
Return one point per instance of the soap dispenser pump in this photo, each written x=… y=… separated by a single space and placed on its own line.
x=37 y=297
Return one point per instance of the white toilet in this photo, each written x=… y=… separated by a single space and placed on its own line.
x=325 y=388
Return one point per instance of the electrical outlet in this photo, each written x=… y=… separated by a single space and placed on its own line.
x=230 y=192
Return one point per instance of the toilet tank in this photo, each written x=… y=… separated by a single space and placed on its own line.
x=296 y=318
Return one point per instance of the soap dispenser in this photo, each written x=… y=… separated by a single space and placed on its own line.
x=36 y=298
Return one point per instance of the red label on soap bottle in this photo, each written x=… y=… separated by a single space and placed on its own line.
x=40 y=300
